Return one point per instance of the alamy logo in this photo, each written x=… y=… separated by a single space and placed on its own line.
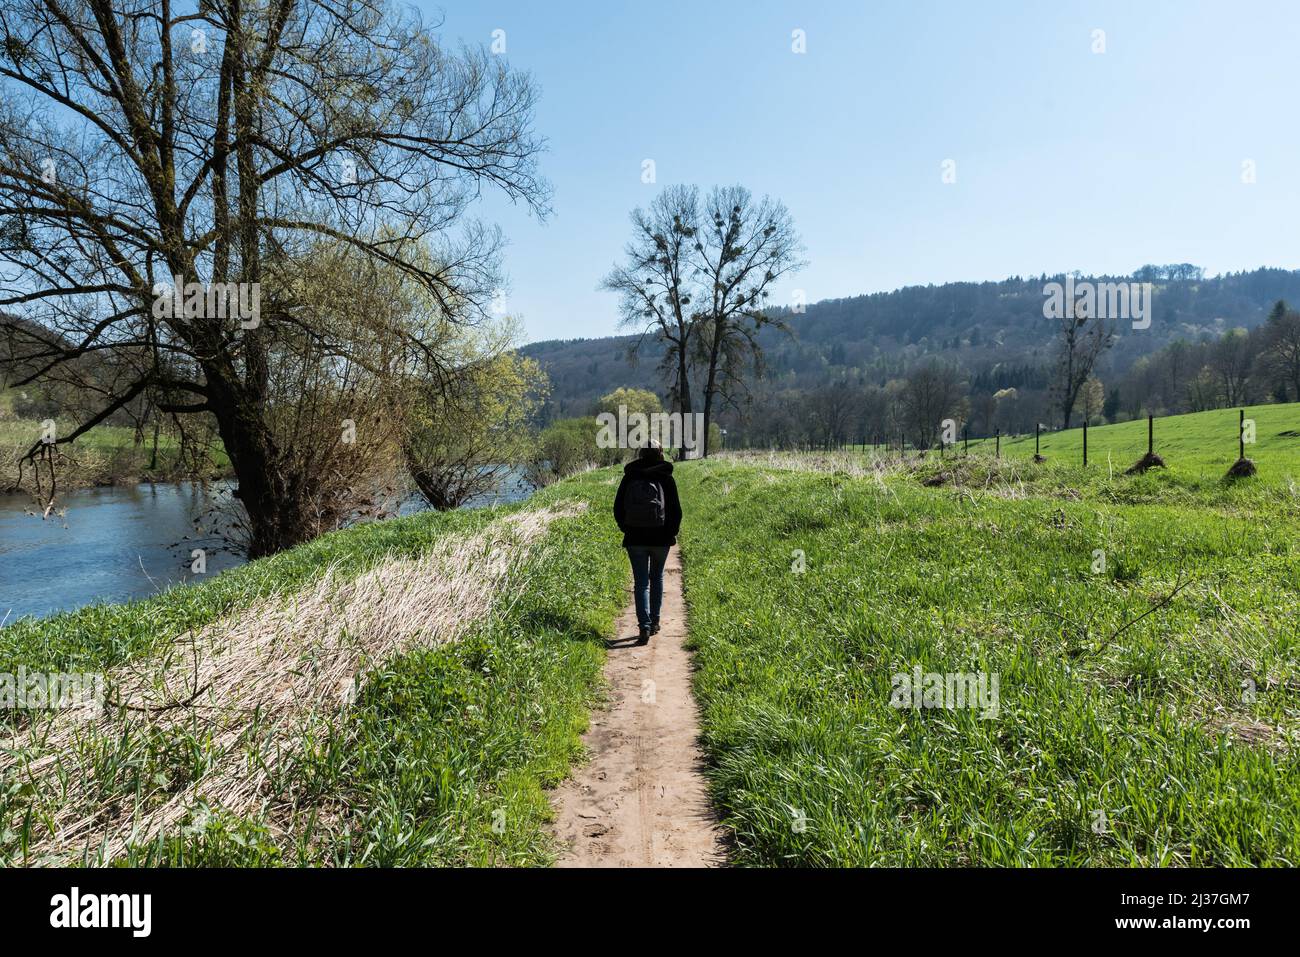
x=213 y=300
x=38 y=690
x=957 y=689
x=103 y=910
x=1129 y=301
x=631 y=430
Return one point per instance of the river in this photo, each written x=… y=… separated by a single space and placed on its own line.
x=115 y=544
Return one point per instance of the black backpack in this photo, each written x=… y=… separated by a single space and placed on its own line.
x=643 y=504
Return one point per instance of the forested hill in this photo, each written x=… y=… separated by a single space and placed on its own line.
x=993 y=330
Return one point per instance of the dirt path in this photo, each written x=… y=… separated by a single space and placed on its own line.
x=641 y=800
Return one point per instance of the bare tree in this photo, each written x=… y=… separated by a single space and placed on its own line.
x=744 y=247
x=833 y=412
x=655 y=284
x=1231 y=359
x=932 y=392
x=1080 y=342
x=142 y=146
x=1282 y=347
x=1177 y=367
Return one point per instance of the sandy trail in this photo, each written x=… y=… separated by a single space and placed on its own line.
x=641 y=801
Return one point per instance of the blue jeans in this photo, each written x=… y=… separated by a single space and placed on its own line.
x=648 y=580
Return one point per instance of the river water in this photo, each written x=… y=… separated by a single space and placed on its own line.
x=124 y=542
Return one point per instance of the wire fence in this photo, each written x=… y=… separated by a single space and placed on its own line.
x=1141 y=450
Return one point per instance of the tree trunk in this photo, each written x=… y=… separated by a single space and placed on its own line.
x=153 y=455
x=710 y=389
x=276 y=519
x=683 y=383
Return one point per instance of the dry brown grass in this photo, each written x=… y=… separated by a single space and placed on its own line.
x=1001 y=478
x=246 y=688
x=855 y=464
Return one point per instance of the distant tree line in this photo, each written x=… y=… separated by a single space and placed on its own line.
x=994 y=332
x=1241 y=367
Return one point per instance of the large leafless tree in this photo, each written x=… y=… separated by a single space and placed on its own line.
x=697 y=277
x=745 y=246
x=655 y=283
x=218 y=142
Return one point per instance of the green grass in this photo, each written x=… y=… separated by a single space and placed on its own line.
x=22 y=433
x=104 y=455
x=1201 y=446
x=1122 y=735
x=446 y=755
x=1145 y=723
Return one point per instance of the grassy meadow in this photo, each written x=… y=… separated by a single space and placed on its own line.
x=1148 y=705
x=1202 y=445
x=1143 y=632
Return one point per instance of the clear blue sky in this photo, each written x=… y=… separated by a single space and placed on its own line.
x=1065 y=159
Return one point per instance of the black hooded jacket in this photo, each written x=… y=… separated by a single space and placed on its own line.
x=662 y=473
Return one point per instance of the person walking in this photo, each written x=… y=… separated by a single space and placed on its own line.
x=649 y=515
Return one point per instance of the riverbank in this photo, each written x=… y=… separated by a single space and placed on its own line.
x=457 y=657
x=103 y=457
x=126 y=542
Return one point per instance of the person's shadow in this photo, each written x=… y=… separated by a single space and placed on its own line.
x=612 y=643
